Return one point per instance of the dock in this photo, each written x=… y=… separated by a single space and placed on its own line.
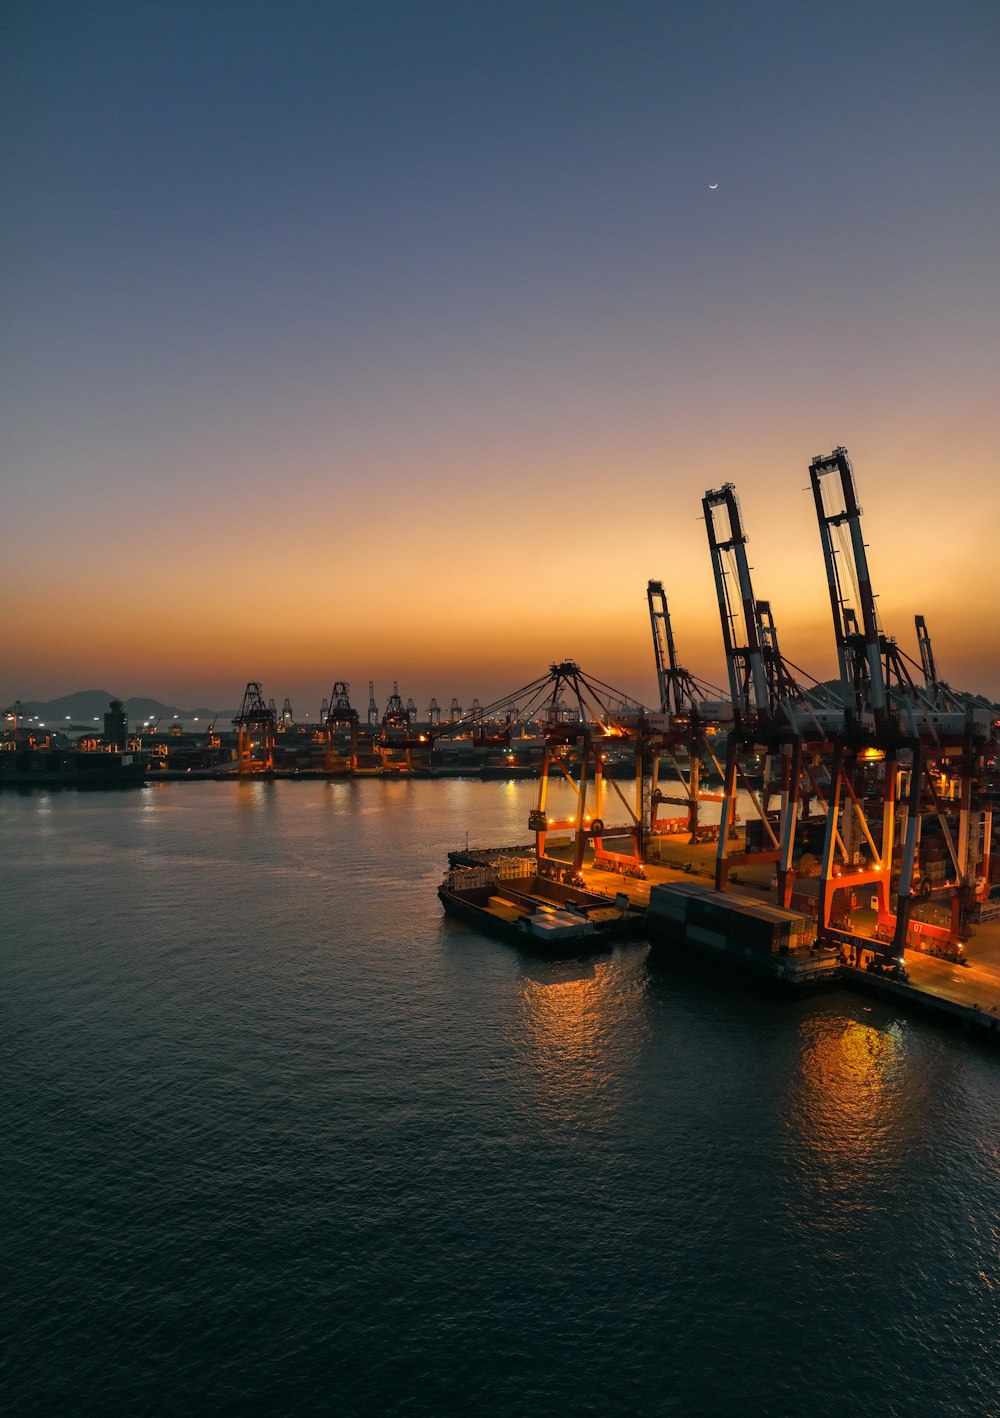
x=966 y=997
x=932 y=990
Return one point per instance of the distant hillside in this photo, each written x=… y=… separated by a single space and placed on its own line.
x=87 y=704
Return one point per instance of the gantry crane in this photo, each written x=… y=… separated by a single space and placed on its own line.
x=342 y=725
x=678 y=692
x=255 y=723
x=583 y=716
x=772 y=713
x=906 y=760
x=689 y=712
x=397 y=740
x=580 y=718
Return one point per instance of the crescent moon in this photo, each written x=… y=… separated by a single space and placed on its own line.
x=712 y=186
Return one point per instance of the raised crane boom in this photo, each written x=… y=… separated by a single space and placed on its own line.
x=859 y=643
x=737 y=607
x=926 y=653
x=677 y=689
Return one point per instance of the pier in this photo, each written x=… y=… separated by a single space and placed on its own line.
x=958 y=996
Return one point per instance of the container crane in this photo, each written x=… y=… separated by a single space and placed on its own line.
x=686 y=719
x=770 y=709
x=678 y=690
x=396 y=715
x=256 y=724
x=582 y=714
x=396 y=741
x=579 y=717
x=740 y=631
x=342 y=724
x=927 y=749
x=859 y=647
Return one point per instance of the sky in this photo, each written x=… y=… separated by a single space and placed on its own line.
x=395 y=341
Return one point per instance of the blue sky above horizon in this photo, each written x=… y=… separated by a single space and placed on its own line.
x=400 y=341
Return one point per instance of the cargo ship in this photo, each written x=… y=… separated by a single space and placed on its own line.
x=70 y=768
x=739 y=935
x=506 y=896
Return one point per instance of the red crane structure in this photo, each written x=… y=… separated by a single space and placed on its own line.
x=906 y=814
x=886 y=773
x=773 y=717
x=882 y=779
x=580 y=718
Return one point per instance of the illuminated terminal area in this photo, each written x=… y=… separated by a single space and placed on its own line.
x=862 y=805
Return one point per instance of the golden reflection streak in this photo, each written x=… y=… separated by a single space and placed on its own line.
x=855 y=1106
x=580 y=1032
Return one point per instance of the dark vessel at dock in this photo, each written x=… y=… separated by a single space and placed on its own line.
x=739 y=935
x=70 y=768
x=39 y=757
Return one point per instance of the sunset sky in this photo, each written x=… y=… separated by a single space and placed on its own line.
x=400 y=340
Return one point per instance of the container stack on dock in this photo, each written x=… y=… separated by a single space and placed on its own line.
x=739 y=933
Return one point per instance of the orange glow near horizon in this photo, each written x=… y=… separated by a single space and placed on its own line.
x=370 y=387
x=454 y=604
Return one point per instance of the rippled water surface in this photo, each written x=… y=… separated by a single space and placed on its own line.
x=280 y=1139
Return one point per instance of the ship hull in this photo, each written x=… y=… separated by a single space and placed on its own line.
x=740 y=937
x=65 y=768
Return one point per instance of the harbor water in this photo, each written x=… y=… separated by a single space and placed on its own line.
x=279 y=1138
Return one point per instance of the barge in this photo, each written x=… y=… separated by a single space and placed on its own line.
x=507 y=897
x=740 y=935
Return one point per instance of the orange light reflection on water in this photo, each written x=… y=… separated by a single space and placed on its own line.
x=856 y=1111
x=580 y=1026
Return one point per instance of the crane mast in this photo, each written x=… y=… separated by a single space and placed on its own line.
x=677 y=689
x=859 y=645
x=737 y=608
x=926 y=653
